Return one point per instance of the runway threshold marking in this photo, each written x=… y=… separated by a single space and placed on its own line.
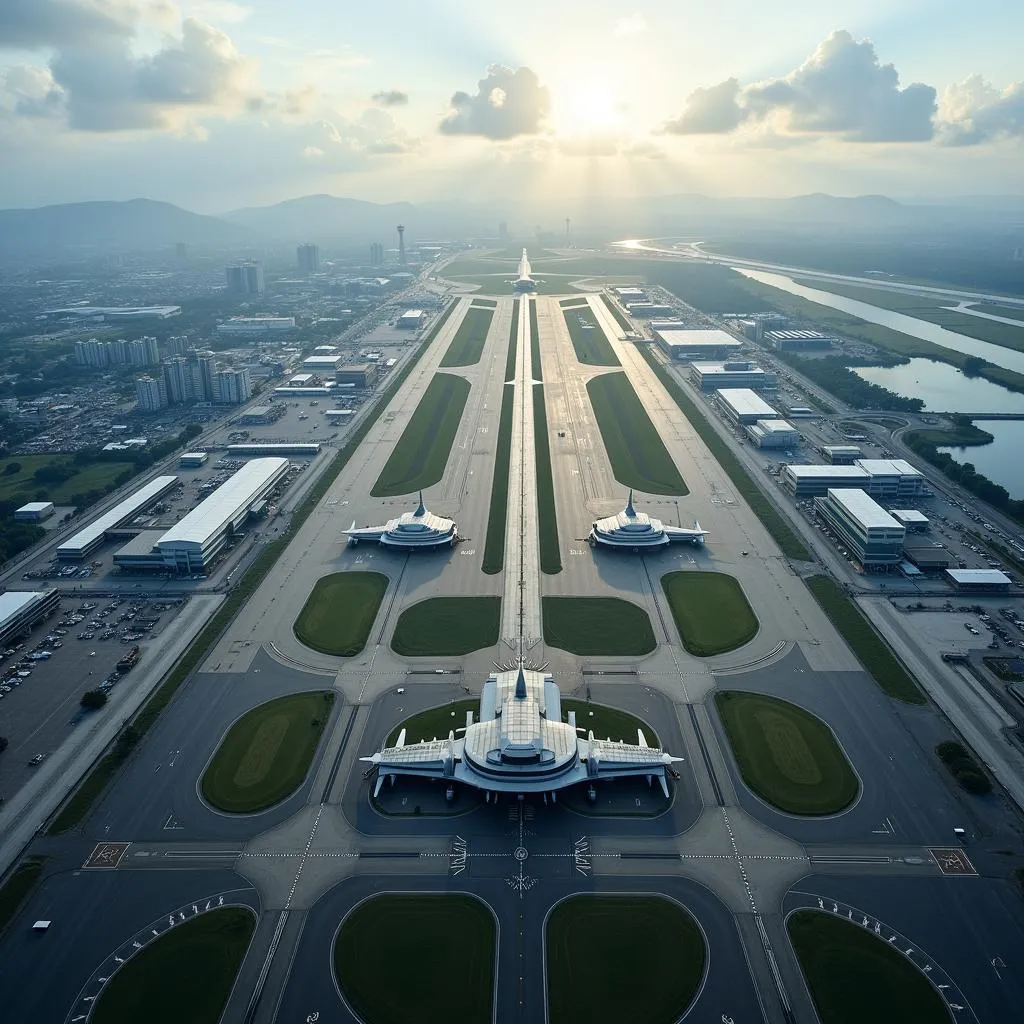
x=106 y=856
x=952 y=861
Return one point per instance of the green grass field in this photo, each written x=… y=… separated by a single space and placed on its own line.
x=485 y=303
x=387 y=974
x=339 y=613
x=612 y=959
x=597 y=625
x=435 y=723
x=468 y=344
x=781 y=532
x=547 y=521
x=591 y=344
x=620 y=318
x=535 y=364
x=786 y=755
x=420 y=457
x=497 y=515
x=871 y=650
x=16 y=889
x=855 y=977
x=638 y=455
x=22 y=486
x=710 y=611
x=608 y=723
x=186 y=973
x=266 y=754
x=447 y=626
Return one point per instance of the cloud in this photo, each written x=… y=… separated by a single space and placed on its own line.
x=974 y=112
x=31 y=92
x=710 y=111
x=35 y=24
x=633 y=25
x=841 y=89
x=507 y=103
x=224 y=11
x=390 y=98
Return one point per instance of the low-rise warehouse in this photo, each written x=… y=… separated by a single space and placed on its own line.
x=739 y=374
x=34 y=512
x=321 y=364
x=913 y=520
x=282 y=448
x=258 y=415
x=978 y=581
x=893 y=478
x=83 y=543
x=192 y=544
x=363 y=375
x=411 y=319
x=742 y=405
x=692 y=343
x=881 y=478
x=773 y=434
x=926 y=554
x=20 y=610
x=872 y=536
x=797 y=340
x=841 y=454
x=193 y=460
x=648 y=309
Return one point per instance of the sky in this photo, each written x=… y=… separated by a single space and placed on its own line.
x=217 y=104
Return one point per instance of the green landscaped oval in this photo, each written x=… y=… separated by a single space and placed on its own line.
x=786 y=755
x=447 y=627
x=339 y=614
x=593 y=626
x=710 y=611
x=266 y=754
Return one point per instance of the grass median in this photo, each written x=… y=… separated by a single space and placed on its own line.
x=871 y=650
x=441 y=946
x=710 y=611
x=497 y=515
x=535 y=365
x=339 y=613
x=447 y=627
x=597 y=626
x=192 y=965
x=622 y=958
x=547 y=519
x=637 y=453
x=620 y=317
x=854 y=977
x=421 y=454
x=468 y=344
x=79 y=803
x=608 y=723
x=786 y=755
x=782 y=533
x=588 y=339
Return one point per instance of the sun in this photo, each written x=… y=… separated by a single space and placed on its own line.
x=586 y=107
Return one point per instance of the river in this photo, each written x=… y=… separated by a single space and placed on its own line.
x=942 y=387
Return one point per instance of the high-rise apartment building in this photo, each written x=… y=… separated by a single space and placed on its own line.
x=178 y=381
x=178 y=345
x=152 y=347
x=151 y=394
x=309 y=258
x=234 y=386
x=245 y=278
x=376 y=254
x=91 y=353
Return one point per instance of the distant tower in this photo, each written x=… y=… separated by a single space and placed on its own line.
x=503 y=231
x=567 y=223
x=401 y=244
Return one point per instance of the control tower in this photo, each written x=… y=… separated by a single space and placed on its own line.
x=401 y=244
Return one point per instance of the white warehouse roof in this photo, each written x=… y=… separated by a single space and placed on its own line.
x=888 y=467
x=909 y=515
x=776 y=427
x=118 y=514
x=990 y=576
x=863 y=508
x=746 y=402
x=686 y=337
x=828 y=471
x=15 y=601
x=213 y=514
x=35 y=506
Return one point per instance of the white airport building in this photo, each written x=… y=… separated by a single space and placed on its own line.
x=911 y=518
x=873 y=537
x=412 y=531
x=688 y=344
x=411 y=319
x=841 y=454
x=261 y=449
x=322 y=364
x=891 y=479
x=739 y=374
x=773 y=434
x=256 y=324
x=34 y=512
x=20 y=610
x=519 y=744
x=743 y=406
x=634 y=531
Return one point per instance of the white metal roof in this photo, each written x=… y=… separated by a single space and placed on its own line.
x=745 y=402
x=776 y=427
x=119 y=513
x=909 y=515
x=888 y=467
x=331 y=361
x=841 y=448
x=863 y=508
x=212 y=515
x=15 y=601
x=35 y=506
x=687 y=336
x=829 y=472
x=977 y=576
x=703 y=368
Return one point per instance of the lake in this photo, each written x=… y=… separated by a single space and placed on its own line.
x=942 y=387
x=1001 y=460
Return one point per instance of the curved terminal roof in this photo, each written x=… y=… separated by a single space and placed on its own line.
x=411 y=530
x=634 y=530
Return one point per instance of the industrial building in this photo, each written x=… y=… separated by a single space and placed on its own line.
x=881 y=478
x=293 y=392
x=739 y=374
x=893 y=478
x=926 y=554
x=978 y=581
x=338 y=415
x=192 y=544
x=283 y=448
x=841 y=454
x=872 y=536
x=34 y=512
x=303 y=380
x=689 y=344
x=411 y=319
x=773 y=434
x=256 y=324
x=141 y=553
x=646 y=310
x=20 y=610
x=627 y=295
x=321 y=364
x=361 y=375
x=258 y=415
x=744 y=406
x=193 y=460
x=914 y=521
x=83 y=543
x=797 y=341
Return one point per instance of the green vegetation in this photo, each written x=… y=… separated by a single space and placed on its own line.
x=782 y=533
x=386 y=934
x=786 y=755
x=421 y=454
x=193 y=964
x=638 y=455
x=77 y=806
x=962 y=434
x=447 y=626
x=591 y=343
x=608 y=723
x=964 y=767
x=17 y=887
x=620 y=317
x=547 y=520
x=573 y=302
x=468 y=344
x=535 y=365
x=710 y=611
x=597 y=626
x=266 y=754
x=599 y=963
x=340 y=611
x=497 y=516
x=57 y=478
x=435 y=723
x=855 y=977
x=870 y=648
x=833 y=373
x=480 y=303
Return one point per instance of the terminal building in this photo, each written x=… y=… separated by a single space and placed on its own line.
x=519 y=744
x=412 y=531
x=688 y=344
x=20 y=610
x=738 y=374
x=872 y=536
x=773 y=434
x=890 y=479
x=86 y=541
x=743 y=406
x=634 y=531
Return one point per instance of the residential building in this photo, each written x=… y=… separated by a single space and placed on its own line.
x=151 y=394
x=308 y=256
